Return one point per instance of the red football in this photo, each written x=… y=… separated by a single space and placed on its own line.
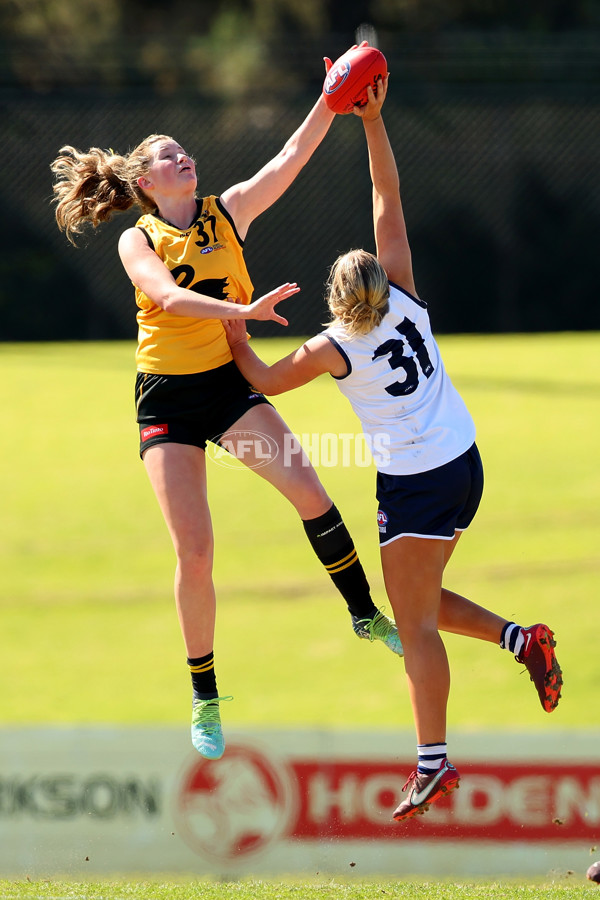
x=345 y=85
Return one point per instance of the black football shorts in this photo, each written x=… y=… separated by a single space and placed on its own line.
x=432 y=504
x=191 y=409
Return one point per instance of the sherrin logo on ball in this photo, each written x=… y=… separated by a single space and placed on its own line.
x=346 y=83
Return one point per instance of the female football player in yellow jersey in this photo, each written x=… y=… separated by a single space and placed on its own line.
x=185 y=259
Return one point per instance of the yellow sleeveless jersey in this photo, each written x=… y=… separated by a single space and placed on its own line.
x=208 y=258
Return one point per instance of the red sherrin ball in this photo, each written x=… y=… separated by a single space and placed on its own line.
x=345 y=85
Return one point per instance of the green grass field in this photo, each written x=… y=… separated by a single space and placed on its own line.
x=86 y=564
x=332 y=889
x=89 y=632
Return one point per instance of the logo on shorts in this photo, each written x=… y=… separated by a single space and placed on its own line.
x=382 y=521
x=152 y=431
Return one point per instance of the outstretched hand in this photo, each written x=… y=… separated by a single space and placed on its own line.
x=263 y=309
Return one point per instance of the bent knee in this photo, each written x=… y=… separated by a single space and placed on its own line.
x=310 y=498
x=417 y=632
x=195 y=561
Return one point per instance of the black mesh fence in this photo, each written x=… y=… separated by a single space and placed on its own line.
x=500 y=181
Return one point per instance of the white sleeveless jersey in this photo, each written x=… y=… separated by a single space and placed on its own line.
x=412 y=416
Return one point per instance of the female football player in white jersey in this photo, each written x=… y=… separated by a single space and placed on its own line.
x=185 y=259
x=380 y=349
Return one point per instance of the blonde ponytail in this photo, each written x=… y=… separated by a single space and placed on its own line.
x=358 y=292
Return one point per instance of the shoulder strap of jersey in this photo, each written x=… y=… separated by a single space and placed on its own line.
x=147 y=236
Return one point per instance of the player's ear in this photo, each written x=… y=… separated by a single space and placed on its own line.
x=144 y=182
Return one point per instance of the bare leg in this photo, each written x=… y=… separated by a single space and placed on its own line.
x=458 y=615
x=290 y=472
x=178 y=475
x=461 y=616
x=293 y=475
x=412 y=571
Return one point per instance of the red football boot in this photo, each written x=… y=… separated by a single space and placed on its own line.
x=425 y=788
x=539 y=659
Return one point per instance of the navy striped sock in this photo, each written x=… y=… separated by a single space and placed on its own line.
x=512 y=638
x=431 y=757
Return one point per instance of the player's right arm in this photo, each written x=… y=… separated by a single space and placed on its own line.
x=315 y=357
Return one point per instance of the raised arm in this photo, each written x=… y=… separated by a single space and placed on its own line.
x=391 y=239
x=247 y=200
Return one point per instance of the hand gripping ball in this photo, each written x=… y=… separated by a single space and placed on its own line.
x=345 y=85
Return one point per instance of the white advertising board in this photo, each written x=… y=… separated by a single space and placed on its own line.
x=103 y=801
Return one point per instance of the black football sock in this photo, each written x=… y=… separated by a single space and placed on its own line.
x=334 y=547
x=204 y=680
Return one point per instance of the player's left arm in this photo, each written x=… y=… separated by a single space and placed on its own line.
x=315 y=357
x=391 y=239
x=247 y=200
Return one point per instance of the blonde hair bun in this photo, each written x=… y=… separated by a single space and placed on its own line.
x=358 y=292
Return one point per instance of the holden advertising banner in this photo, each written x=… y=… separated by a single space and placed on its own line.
x=109 y=801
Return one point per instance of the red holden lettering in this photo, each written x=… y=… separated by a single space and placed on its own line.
x=497 y=801
x=349 y=799
x=152 y=430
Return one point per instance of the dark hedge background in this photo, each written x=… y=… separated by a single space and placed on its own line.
x=496 y=133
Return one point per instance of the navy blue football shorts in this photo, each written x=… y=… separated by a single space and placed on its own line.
x=191 y=409
x=433 y=504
